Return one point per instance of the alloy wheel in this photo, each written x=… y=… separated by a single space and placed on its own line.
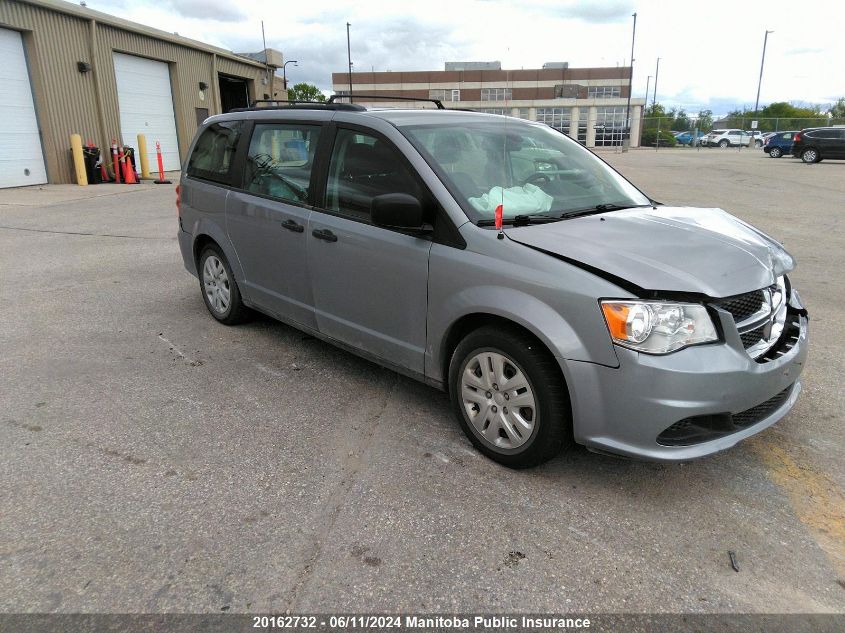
x=216 y=283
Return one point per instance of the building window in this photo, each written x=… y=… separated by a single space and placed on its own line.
x=523 y=113
x=448 y=94
x=558 y=118
x=610 y=125
x=583 y=115
x=496 y=94
x=603 y=92
x=505 y=111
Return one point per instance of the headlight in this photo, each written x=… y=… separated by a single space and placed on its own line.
x=657 y=327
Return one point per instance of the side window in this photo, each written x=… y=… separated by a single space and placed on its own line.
x=214 y=153
x=363 y=167
x=788 y=136
x=280 y=160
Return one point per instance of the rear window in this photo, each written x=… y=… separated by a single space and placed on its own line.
x=214 y=153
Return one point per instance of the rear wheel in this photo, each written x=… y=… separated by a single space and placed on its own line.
x=219 y=288
x=509 y=397
x=724 y=143
x=810 y=155
x=758 y=143
x=775 y=152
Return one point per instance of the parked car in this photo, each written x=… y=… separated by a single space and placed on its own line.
x=779 y=143
x=756 y=137
x=501 y=261
x=686 y=138
x=812 y=145
x=728 y=138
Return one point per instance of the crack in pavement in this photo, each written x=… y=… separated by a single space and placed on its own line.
x=352 y=459
x=129 y=237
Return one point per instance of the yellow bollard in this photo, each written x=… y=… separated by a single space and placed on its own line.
x=78 y=160
x=142 y=156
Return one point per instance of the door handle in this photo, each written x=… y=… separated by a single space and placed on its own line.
x=290 y=225
x=324 y=234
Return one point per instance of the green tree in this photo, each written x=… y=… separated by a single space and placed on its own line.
x=705 y=120
x=837 y=110
x=305 y=92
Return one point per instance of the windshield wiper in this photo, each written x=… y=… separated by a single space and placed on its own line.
x=522 y=220
x=601 y=208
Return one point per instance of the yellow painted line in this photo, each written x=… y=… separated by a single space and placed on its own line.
x=818 y=502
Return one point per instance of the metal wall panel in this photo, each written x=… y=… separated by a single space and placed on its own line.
x=68 y=101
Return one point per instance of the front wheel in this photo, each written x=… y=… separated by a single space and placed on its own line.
x=724 y=143
x=810 y=156
x=509 y=397
x=775 y=152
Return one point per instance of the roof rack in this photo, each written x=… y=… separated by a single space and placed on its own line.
x=288 y=104
x=436 y=102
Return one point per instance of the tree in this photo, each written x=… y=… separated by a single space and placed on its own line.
x=837 y=110
x=705 y=119
x=305 y=92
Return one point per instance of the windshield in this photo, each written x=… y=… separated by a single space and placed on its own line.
x=529 y=169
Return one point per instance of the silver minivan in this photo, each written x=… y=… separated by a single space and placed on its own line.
x=499 y=260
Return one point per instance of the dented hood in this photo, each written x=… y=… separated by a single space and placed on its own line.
x=678 y=249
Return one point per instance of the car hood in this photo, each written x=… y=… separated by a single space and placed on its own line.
x=677 y=249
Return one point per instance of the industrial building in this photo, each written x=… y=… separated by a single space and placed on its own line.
x=588 y=104
x=68 y=69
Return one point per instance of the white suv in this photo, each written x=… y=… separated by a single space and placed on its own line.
x=729 y=138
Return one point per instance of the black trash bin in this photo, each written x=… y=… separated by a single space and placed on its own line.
x=91 y=156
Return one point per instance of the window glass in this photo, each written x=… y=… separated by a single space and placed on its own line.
x=528 y=168
x=214 y=153
x=363 y=167
x=496 y=94
x=280 y=160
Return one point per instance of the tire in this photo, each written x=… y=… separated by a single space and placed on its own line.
x=810 y=155
x=519 y=438
x=775 y=152
x=216 y=282
x=724 y=143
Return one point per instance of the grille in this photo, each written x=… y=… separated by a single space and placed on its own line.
x=742 y=306
x=703 y=428
x=755 y=414
x=752 y=337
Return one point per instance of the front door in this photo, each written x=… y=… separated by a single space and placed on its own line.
x=267 y=221
x=370 y=283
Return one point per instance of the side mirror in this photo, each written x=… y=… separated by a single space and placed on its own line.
x=396 y=211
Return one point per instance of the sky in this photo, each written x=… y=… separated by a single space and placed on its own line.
x=709 y=52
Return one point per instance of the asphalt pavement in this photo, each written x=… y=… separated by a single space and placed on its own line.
x=154 y=460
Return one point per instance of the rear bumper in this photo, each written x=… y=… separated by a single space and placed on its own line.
x=623 y=410
x=186 y=246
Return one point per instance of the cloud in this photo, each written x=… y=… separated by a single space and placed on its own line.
x=804 y=51
x=219 y=10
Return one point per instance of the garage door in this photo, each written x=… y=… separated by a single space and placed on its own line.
x=146 y=106
x=21 y=158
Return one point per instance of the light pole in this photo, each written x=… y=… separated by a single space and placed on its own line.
x=349 y=59
x=760 y=80
x=656 y=73
x=627 y=142
x=647 y=84
x=284 y=73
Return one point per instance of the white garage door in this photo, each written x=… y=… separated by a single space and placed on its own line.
x=146 y=106
x=21 y=158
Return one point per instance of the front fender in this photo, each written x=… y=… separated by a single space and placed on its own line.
x=555 y=301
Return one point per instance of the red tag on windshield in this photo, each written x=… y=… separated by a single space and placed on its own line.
x=499 y=216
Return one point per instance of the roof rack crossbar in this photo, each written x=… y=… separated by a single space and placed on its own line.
x=291 y=104
x=436 y=102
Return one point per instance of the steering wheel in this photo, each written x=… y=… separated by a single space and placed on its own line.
x=537 y=176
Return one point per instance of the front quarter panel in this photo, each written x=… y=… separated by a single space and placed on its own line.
x=554 y=300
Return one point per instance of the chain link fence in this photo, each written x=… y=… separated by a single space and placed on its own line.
x=660 y=131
